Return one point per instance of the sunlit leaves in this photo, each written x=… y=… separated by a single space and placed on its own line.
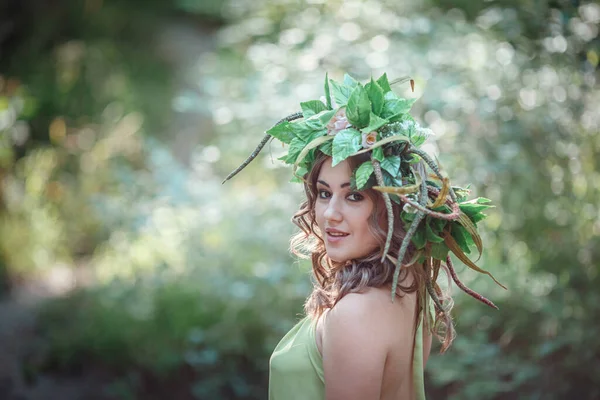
x=374 y=123
x=363 y=173
x=358 y=109
x=312 y=107
x=376 y=96
x=345 y=143
x=283 y=132
x=394 y=107
x=391 y=164
x=341 y=93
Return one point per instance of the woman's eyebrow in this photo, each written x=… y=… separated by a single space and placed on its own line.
x=326 y=184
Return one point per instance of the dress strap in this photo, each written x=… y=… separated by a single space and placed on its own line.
x=418 y=370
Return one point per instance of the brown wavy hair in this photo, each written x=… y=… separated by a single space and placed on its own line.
x=333 y=280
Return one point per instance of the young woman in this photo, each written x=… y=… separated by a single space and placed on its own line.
x=374 y=223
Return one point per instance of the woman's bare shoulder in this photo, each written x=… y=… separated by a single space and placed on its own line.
x=374 y=306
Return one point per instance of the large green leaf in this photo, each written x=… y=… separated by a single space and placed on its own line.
x=376 y=96
x=394 y=106
x=282 y=132
x=363 y=173
x=391 y=164
x=341 y=93
x=350 y=81
x=312 y=107
x=374 y=123
x=462 y=237
x=472 y=209
x=384 y=83
x=303 y=130
x=358 y=109
x=345 y=144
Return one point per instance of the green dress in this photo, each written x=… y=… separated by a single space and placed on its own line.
x=296 y=366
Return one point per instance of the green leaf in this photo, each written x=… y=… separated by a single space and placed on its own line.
x=299 y=173
x=438 y=225
x=462 y=237
x=363 y=173
x=439 y=251
x=390 y=180
x=419 y=238
x=472 y=209
x=326 y=148
x=392 y=165
x=374 y=123
x=378 y=154
x=327 y=92
x=282 y=132
x=350 y=81
x=315 y=142
x=325 y=116
x=394 y=106
x=296 y=147
x=375 y=93
x=358 y=109
x=312 y=107
x=414 y=159
x=417 y=140
x=345 y=144
x=303 y=130
x=384 y=83
x=430 y=234
x=340 y=92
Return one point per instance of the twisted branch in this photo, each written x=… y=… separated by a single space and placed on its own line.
x=434 y=167
x=411 y=230
x=465 y=289
x=450 y=217
x=434 y=296
x=260 y=146
x=388 y=206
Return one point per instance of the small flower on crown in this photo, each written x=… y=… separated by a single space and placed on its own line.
x=338 y=123
x=369 y=139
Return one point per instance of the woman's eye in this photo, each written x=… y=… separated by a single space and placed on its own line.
x=355 y=197
x=323 y=194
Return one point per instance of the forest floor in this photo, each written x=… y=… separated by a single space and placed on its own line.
x=20 y=349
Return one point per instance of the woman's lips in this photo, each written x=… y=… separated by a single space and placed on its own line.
x=335 y=236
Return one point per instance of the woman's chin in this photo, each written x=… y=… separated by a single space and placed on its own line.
x=338 y=258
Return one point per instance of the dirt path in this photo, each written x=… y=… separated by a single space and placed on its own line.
x=19 y=347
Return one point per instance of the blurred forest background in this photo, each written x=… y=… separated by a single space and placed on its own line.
x=127 y=270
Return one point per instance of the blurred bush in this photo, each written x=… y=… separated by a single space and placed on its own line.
x=190 y=282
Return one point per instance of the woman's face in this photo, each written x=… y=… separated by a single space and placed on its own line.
x=343 y=214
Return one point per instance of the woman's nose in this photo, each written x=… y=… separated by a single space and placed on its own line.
x=332 y=212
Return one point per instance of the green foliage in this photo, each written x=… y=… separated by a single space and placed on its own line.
x=345 y=143
x=358 y=107
x=362 y=174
